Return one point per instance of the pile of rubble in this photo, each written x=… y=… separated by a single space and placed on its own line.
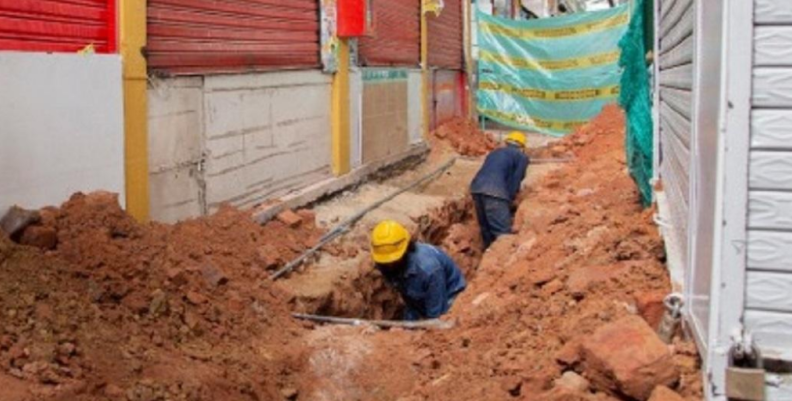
x=465 y=137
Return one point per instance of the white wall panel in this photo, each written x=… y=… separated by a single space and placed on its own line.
x=771 y=129
x=675 y=14
x=769 y=291
x=773 y=46
x=62 y=124
x=772 y=87
x=680 y=100
x=677 y=55
x=680 y=77
x=770 y=210
x=773 y=12
x=767 y=325
x=770 y=250
x=678 y=33
x=771 y=170
x=677 y=123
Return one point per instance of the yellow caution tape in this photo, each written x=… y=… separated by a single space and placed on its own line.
x=526 y=120
x=593 y=60
x=560 y=32
x=606 y=92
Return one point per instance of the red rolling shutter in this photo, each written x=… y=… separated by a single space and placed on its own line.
x=58 y=25
x=395 y=39
x=197 y=36
x=446 y=37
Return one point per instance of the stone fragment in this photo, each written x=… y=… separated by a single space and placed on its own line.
x=159 y=302
x=569 y=354
x=17 y=219
x=663 y=393
x=213 y=276
x=573 y=382
x=628 y=357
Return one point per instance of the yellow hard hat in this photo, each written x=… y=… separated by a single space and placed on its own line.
x=389 y=242
x=517 y=137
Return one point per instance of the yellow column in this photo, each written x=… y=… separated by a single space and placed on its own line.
x=340 y=111
x=425 y=69
x=133 y=39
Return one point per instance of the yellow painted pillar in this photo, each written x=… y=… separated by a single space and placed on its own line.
x=133 y=39
x=425 y=69
x=340 y=112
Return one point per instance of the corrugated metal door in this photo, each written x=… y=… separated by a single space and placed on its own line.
x=58 y=25
x=395 y=39
x=196 y=36
x=445 y=37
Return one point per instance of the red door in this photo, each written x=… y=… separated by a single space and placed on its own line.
x=58 y=25
x=446 y=42
x=395 y=37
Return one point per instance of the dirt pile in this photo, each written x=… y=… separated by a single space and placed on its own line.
x=464 y=136
x=119 y=310
x=609 y=120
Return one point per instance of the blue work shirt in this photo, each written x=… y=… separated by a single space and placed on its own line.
x=428 y=283
x=501 y=174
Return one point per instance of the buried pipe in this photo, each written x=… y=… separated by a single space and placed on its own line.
x=346 y=225
x=431 y=324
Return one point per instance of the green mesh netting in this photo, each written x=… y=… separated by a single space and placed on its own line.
x=635 y=99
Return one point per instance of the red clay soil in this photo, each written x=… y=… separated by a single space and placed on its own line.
x=585 y=255
x=122 y=311
x=465 y=137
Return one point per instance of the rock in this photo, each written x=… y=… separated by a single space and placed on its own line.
x=159 y=302
x=663 y=393
x=573 y=382
x=45 y=238
x=569 y=354
x=650 y=307
x=289 y=218
x=195 y=298
x=136 y=302
x=307 y=215
x=627 y=356
x=114 y=392
x=17 y=219
x=213 y=276
x=542 y=275
x=289 y=393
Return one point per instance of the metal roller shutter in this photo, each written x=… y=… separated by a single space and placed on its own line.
x=198 y=36
x=445 y=37
x=396 y=36
x=58 y=25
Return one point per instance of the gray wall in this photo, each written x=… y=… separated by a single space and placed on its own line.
x=61 y=127
x=240 y=139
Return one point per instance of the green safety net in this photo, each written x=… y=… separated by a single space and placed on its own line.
x=549 y=75
x=635 y=99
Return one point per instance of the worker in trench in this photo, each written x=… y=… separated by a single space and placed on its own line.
x=426 y=277
x=496 y=185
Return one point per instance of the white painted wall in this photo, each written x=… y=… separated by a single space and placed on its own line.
x=240 y=139
x=61 y=127
x=415 y=116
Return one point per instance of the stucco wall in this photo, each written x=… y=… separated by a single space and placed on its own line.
x=61 y=127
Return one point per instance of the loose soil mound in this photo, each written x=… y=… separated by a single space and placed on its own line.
x=149 y=312
x=465 y=137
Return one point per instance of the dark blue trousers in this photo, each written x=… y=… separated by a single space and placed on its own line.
x=494 y=217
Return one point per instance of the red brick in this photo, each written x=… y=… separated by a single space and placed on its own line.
x=45 y=238
x=289 y=218
x=650 y=307
x=628 y=357
x=663 y=393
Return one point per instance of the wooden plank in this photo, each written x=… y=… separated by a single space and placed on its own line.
x=771 y=129
x=678 y=33
x=772 y=87
x=678 y=55
x=678 y=77
x=770 y=210
x=773 y=12
x=771 y=171
x=773 y=46
x=680 y=100
x=769 y=250
x=674 y=15
x=769 y=291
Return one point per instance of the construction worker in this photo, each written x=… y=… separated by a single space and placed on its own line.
x=426 y=277
x=496 y=185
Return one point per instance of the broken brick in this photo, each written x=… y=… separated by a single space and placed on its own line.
x=213 y=276
x=628 y=357
x=663 y=393
x=289 y=218
x=195 y=298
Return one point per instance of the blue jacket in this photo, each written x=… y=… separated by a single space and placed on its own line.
x=428 y=283
x=502 y=173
